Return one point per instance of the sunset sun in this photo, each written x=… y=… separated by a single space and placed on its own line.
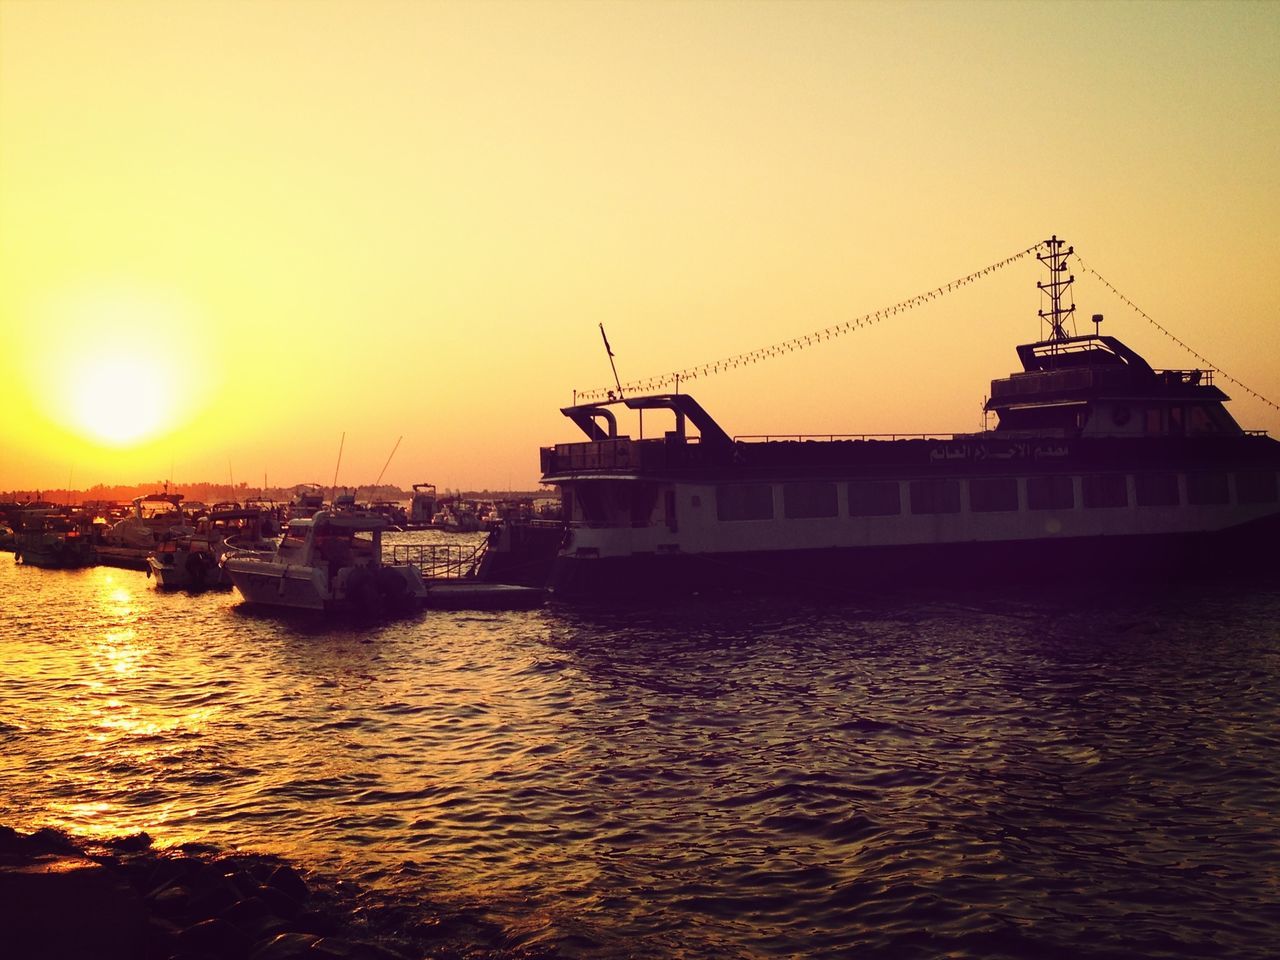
x=119 y=400
x=125 y=372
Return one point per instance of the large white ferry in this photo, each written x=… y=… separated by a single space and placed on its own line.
x=1098 y=463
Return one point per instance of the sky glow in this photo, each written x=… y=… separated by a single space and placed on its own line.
x=281 y=222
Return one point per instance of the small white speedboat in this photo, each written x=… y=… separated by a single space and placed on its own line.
x=330 y=561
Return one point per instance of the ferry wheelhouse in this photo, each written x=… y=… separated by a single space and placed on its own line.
x=1098 y=463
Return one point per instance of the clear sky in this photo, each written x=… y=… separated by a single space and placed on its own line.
x=231 y=232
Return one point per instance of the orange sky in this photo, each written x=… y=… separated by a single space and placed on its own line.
x=230 y=232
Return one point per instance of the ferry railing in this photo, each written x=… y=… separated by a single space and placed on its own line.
x=1188 y=378
x=830 y=437
x=441 y=561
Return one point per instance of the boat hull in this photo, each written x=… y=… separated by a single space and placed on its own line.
x=271 y=584
x=1239 y=550
x=456 y=594
x=183 y=574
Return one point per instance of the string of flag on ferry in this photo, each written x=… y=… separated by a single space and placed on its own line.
x=1143 y=314
x=674 y=379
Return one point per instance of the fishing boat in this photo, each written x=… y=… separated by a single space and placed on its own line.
x=1098 y=465
x=330 y=561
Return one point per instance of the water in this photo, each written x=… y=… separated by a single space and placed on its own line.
x=1052 y=775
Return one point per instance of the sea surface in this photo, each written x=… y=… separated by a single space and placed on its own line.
x=1057 y=773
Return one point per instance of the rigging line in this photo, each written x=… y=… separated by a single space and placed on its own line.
x=799 y=343
x=1199 y=356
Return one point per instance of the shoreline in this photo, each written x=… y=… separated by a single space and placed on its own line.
x=121 y=898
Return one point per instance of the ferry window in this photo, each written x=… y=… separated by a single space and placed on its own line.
x=987 y=494
x=744 y=501
x=874 y=498
x=592 y=503
x=643 y=498
x=1199 y=420
x=1256 y=486
x=935 y=496
x=1207 y=488
x=802 y=500
x=1105 y=490
x=1175 y=420
x=1152 y=420
x=1156 y=489
x=1050 y=493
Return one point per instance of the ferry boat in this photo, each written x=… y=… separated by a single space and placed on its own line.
x=1098 y=464
x=330 y=561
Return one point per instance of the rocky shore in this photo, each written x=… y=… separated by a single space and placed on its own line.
x=65 y=898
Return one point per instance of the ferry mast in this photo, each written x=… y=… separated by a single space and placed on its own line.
x=1055 y=258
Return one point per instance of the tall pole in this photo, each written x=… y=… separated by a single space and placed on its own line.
x=613 y=366
x=388 y=463
x=334 y=492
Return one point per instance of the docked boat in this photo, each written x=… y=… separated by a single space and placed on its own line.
x=308 y=500
x=422 y=509
x=458 y=516
x=55 y=540
x=329 y=561
x=154 y=518
x=1098 y=464
x=194 y=562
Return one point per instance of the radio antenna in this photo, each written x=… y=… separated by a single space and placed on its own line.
x=609 y=350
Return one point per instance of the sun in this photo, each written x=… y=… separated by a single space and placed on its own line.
x=120 y=399
x=127 y=370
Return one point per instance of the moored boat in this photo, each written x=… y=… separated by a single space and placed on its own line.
x=1098 y=464
x=329 y=561
x=153 y=520
x=194 y=562
x=55 y=540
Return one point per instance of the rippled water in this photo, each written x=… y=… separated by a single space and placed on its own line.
x=996 y=776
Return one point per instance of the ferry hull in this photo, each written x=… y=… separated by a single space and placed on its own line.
x=1239 y=550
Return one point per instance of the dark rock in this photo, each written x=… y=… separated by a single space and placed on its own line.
x=58 y=907
x=166 y=871
x=172 y=902
x=285 y=879
x=11 y=841
x=54 y=841
x=287 y=946
x=217 y=937
x=255 y=918
x=133 y=842
x=281 y=903
x=213 y=895
x=161 y=938
x=318 y=922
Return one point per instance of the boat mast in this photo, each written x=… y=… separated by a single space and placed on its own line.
x=1055 y=258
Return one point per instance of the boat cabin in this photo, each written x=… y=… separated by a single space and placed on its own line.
x=1096 y=386
x=347 y=539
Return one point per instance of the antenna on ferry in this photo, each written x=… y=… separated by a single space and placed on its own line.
x=1056 y=260
x=609 y=350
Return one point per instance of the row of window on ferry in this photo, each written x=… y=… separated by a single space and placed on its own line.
x=879 y=498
